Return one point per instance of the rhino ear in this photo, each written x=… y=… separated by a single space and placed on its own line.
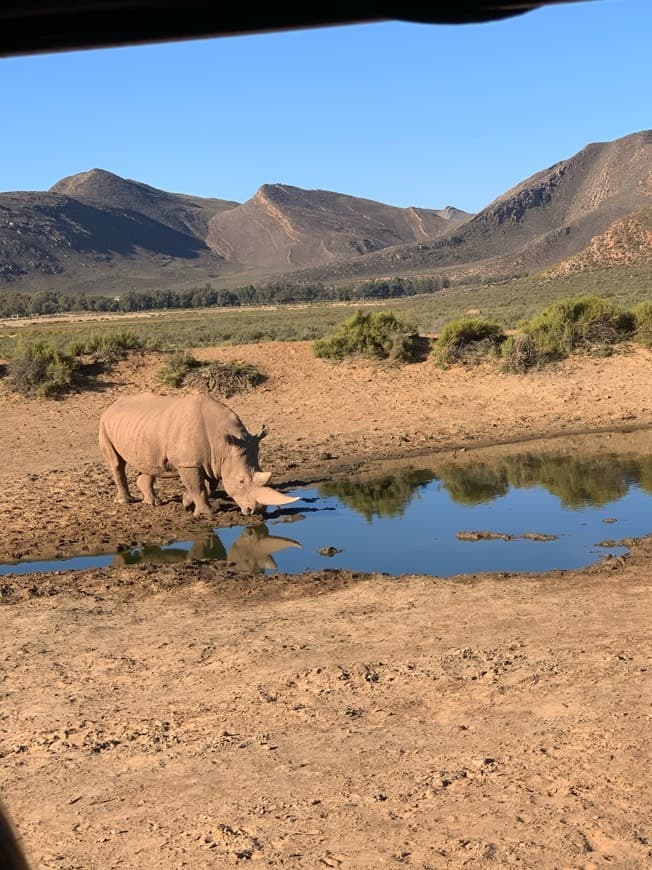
x=262 y=478
x=263 y=433
x=265 y=495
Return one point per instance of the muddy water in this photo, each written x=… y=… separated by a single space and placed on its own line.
x=524 y=512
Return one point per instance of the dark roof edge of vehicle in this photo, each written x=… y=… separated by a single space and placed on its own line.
x=36 y=26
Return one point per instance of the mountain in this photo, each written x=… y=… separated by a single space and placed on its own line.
x=51 y=241
x=544 y=219
x=283 y=227
x=98 y=232
x=185 y=214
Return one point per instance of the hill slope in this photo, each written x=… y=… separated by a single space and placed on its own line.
x=628 y=241
x=53 y=241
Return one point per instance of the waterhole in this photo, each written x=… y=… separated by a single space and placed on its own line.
x=523 y=512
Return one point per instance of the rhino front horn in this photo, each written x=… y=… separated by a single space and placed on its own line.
x=268 y=496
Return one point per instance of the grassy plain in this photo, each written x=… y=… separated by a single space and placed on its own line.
x=506 y=303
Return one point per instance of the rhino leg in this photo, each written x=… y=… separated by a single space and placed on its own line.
x=194 y=481
x=145 y=483
x=188 y=501
x=117 y=466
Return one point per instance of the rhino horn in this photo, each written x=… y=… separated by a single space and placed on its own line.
x=265 y=495
x=273 y=544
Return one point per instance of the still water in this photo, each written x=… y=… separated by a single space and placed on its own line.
x=414 y=521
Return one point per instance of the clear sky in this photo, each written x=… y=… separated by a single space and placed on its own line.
x=407 y=114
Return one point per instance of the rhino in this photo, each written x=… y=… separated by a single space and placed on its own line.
x=200 y=438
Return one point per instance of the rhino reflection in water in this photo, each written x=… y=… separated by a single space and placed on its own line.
x=251 y=552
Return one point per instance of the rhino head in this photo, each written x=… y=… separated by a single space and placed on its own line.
x=242 y=478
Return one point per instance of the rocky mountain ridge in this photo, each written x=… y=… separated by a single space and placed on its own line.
x=98 y=232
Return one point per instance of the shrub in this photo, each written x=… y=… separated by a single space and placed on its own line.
x=39 y=369
x=174 y=372
x=580 y=322
x=378 y=335
x=467 y=340
x=642 y=314
x=106 y=346
x=519 y=353
x=226 y=379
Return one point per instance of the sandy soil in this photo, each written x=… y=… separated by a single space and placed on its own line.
x=194 y=716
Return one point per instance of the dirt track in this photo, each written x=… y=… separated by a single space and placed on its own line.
x=191 y=716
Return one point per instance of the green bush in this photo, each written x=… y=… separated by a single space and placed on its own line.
x=577 y=323
x=108 y=346
x=39 y=369
x=642 y=314
x=377 y=335
x=467 y=340
x=225 y=379
x=174 y=372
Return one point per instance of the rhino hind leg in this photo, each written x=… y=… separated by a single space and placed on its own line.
x=117 y=466
x=195 y=483
x=145 y=483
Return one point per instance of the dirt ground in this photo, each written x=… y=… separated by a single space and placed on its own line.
x=194 y=716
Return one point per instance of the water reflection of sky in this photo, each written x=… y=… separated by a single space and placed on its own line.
x=407 y=523
x=423 y=539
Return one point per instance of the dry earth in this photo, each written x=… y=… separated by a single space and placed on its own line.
x=192 y=716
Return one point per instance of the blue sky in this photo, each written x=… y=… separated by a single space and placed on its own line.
x=407 y=114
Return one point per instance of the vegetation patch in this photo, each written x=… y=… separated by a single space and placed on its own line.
x=40 y=369
x=588 y=323
x=177 y=368
x=373 y=334
x=51 y=368
x=223 y=378
x=106 y=347
x=21 y=304
x=467 y=341
x=642 y=314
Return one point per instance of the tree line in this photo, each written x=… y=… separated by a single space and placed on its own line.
x=19 y=304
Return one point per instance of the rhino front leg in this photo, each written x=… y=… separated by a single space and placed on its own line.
x=187 y=500
x=194 y=481
x=145 y=483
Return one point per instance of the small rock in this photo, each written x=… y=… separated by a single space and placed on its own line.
x=328 y=551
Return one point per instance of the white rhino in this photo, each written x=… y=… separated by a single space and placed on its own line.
x=196 y=436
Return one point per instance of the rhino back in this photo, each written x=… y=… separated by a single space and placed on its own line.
x=156 y=433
